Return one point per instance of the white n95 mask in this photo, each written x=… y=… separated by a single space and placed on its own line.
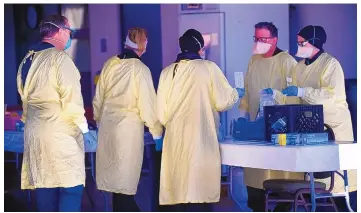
x=203 y=55
x=304 y=52
x=261 y=48
x=145 y=47
x=133 y=45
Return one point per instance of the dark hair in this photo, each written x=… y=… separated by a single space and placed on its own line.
x=48 y=30
x=269 y=26
x=191 y=41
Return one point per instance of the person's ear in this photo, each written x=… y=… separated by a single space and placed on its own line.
x=275 y=40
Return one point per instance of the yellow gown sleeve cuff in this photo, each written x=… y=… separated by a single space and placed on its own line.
x=301 y=92
x=156 y=131
x=279 y=97
x=83 y=127
x=157 y=137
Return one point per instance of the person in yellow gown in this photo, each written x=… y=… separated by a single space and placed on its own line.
x=125 y=100
x=269 y=67
x=55 y=127
x=319 y=79
x=191 y=92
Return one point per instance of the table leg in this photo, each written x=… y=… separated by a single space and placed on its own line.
x=243 y=207
x=313 y=193
x=231 y=186
x=92 y=161
x=17 y=161
x=231 y=182
x=347 y=194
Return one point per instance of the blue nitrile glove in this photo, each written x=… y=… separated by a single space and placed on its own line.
x=158 y=144
x=241 y=92
x=267 y=91
x=20 y=126
x=290 y=91
x=90 y=142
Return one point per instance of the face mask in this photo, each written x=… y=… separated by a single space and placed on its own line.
x=68 y=44
x=304 y=52
x=261 y=48
x=145 y=47
x=133 y=45
x=203 y=55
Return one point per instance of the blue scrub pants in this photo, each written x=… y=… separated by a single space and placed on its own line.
x=59 y=199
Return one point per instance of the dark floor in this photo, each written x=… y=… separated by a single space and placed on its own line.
x=93 y=199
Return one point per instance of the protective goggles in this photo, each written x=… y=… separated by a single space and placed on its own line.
x=71 y=31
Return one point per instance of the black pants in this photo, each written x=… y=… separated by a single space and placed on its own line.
x=341 y=202
x=12 y=204
x=256 y=199
x=189 y=207
x=124 y=203
x=155 y=159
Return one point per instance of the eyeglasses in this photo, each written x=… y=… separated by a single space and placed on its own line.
x=261 y=39
x=71 y=31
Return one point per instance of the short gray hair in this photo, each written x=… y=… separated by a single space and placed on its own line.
x=269 y=26
x=47 y=29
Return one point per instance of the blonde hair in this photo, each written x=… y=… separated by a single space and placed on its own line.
x=139 y=36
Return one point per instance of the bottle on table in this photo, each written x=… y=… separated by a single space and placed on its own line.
x=264 y=100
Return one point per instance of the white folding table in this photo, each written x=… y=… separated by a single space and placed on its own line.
x=309 y=159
